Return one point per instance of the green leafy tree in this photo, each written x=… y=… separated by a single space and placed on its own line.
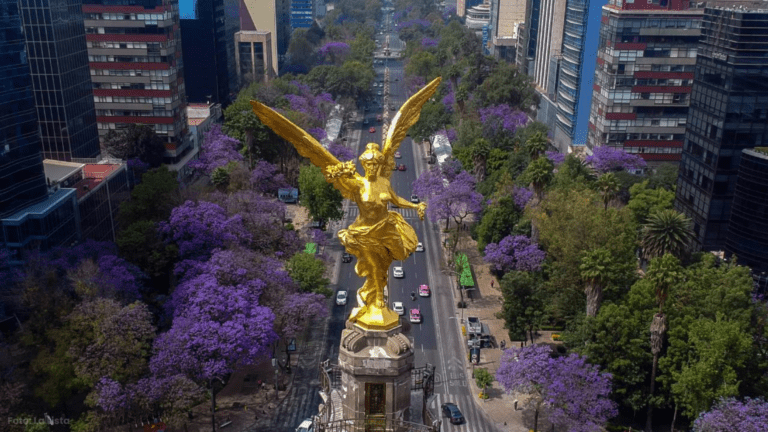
x=523 y=307
x=507 y=85
x=320 y=198
x=536 y=145
x=433 y=117
x=424 y=65
x=242 y=124
x=483 y=379
x=644 y=201
x=136 y=141
x=664 y=177
x=220 y=178
x=140 y=244
x=308 y=272
x=497 y=222
x=666 y=231
x=152 y=199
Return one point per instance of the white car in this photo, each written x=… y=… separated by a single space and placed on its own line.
x=305 y=426
x=415 y=199
x=398 y=307
x=341 y=298
x=398 y=272
x=419 y=247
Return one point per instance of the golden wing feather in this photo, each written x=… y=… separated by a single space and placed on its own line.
x=305 y=144
x=406 y=117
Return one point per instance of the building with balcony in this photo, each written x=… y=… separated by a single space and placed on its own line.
x=645 y=67
x=478 y=16
x=728 y=113
x=527 y=34
x=134 y=50
x=748 y=225
x=58 y=61
x=208 y=47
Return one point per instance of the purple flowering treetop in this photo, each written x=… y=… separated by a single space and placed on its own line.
x=341 y=152
x=568 y=391
x=121 y=276
x=428 y=42
x=313 y=107
x=730 y=414
x=217 y=150
x=605 y=159
x=501 y=120
x=296 y=311
x=556 y=157
x=318 y=133
x=522 y=196
x=429 y=183
x=515 y=253
x=266 y=179
x=449 y=100
x=451 y=134
x=334 y=52
x=457 y=201
x=199 y=227
x=215 y=327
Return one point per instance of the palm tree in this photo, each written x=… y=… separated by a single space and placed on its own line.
x=666 y=231
x=539 y=172
x=595 y=271
x=608 y=186
x=536 y=145
x=480 y=150
x=664 y=273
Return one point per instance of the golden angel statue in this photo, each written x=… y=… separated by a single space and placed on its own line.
x=378 y=236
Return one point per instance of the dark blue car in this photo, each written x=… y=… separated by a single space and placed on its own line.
x=451 y=411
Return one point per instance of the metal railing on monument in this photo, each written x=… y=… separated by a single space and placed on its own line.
x=422 y=378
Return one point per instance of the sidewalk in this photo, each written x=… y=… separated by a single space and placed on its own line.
x=484 y=302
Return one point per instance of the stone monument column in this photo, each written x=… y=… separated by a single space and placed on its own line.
x=376 y=369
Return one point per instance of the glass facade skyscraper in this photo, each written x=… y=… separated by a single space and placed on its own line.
x=302 y=14
x=22 y=179
x=577 y=69
x=728 y=113
x=58 y=60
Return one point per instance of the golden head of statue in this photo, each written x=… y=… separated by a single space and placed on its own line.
x=378 y=236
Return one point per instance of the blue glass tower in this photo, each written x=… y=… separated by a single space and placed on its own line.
x=577 y=71
x=301 y=14
x=22 y=180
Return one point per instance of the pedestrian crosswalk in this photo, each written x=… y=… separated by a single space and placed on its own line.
x=406 y=213
x=475 y=419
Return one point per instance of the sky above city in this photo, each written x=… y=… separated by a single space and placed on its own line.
x=187 y=8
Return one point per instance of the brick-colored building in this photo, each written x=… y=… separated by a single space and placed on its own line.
x=643 y=78
x=134 y=50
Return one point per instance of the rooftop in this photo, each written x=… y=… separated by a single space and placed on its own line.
x=57 y=171
x=40 y=208
x=93 y=175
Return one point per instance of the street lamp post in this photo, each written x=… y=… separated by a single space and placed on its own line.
x=213 y=402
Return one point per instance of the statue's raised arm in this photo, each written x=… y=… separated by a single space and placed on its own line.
x=307 y=146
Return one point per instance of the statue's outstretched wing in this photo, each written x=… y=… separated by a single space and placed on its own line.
x=406 y=117
x=305 y=144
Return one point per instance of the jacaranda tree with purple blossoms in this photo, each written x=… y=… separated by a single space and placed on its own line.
x=500 y=123
x=515 y=253
x=448 y=196
x=334 y=53
x=341 y=152
x=568 y=391
x=733 y=415
x=605 y=159
x=266 y=178
x=217 y=150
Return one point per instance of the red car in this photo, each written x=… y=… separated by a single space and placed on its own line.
x=372 y=130
x=401 y=167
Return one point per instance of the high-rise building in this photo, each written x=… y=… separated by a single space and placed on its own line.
x=576 y=71
x=61 y=79
x=728 y=113
x=645 y=65
x=208 y=46
x=506 y=18
x=302 y=14
x=254 y=56
x=748 y=226
x=271 y=16
x=22 y=182
x=134 y=49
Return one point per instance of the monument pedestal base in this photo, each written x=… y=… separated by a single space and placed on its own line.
x=375 y=373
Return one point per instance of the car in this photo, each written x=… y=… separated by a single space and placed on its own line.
x=401 y=167
x=453 y=413
x=419 y=247
x=378 y=93
x=424 y=291
x=346 y=258
x=341 y=298
x=398 y=307
x=415 y=316
x=414 y=198
x=306 y=426
x=398 y=272
x=372 y=129
x=365 y=121
x=398 y=155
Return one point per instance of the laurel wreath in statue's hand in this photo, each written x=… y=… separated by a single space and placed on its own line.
x=341 y=170
x=422 y=210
